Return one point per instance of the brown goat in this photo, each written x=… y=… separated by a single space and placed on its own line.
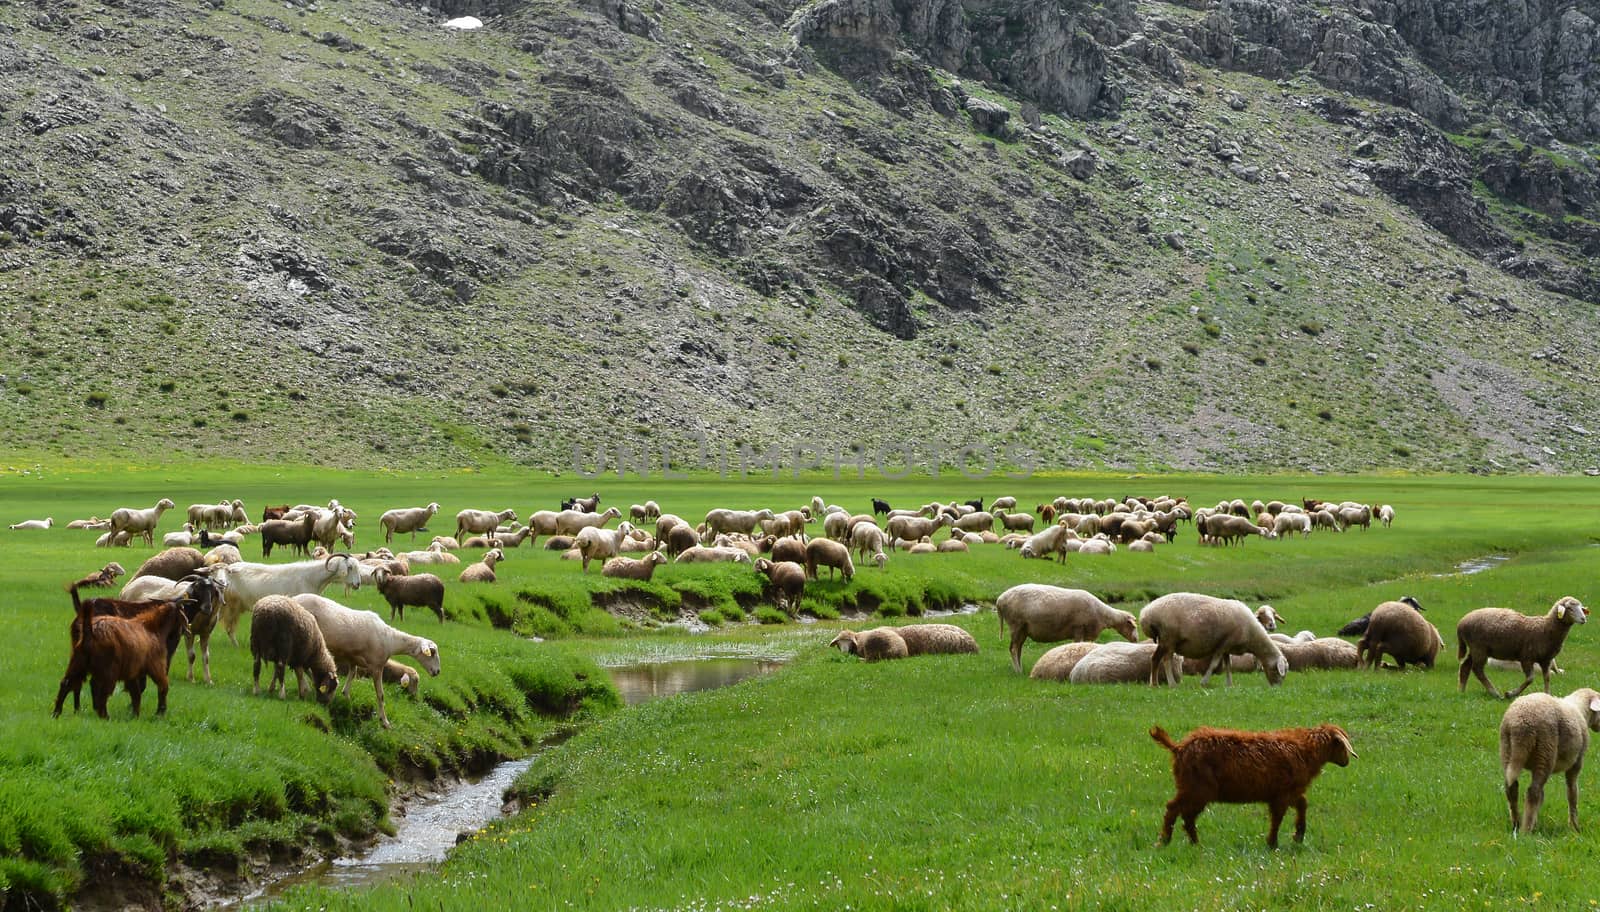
x=109 y=649
x=274 y=512
x=200 y=605
x=1243 y=767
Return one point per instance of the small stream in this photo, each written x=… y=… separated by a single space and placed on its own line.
x=432 y=825
x=1477 y=565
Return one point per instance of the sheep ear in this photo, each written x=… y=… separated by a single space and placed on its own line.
x=1594 y=704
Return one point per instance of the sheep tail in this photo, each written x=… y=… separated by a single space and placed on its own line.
x=1461 y=647
x=1162 y=738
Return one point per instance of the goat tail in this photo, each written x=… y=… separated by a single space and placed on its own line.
x=85 y=619
x=1162 y=738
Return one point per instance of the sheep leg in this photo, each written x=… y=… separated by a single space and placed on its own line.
x=255 y=688
x=1211 y=667
x=1530 y=812
x=377 y=681
x=1527 y=671
x=300 y=683
x=1018 y=637
x=1572 y=795
x=1511 y=799
x=1156 y=660
x=279 y=680
x=1477 y=670
x=1462 y=674
x=1546 y=669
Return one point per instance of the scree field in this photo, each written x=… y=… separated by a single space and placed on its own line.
x=939 y=782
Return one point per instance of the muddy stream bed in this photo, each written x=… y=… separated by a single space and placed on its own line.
x=431 y=825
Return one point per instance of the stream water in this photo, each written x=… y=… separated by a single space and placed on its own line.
x=1477 y=565
x=431 y=825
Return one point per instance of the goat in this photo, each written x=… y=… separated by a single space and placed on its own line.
x=296 y=533
x=243 y=583
x=109 y=649
x=274 y=512
x=1243 y=767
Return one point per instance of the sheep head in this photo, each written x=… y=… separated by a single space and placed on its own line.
x=1127 y=625
x=326 y=683
x=1569 y=611
x=845 y=642
x=428 y=654
x=494 y=556
x=432 y=508
x=1277 y=671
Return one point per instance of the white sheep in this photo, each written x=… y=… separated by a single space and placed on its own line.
x=134 y=521
x=45 y=523
x=571 y=522
x=1121 y=663
x=595 y=543
x=1203 y=627
x=700 y=554
x=1545 y=735
x=406 y=519
x=435 y=554
x=362 y=641
x=179 y=539
x=1386 y=514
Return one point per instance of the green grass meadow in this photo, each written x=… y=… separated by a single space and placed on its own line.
x=942 y=782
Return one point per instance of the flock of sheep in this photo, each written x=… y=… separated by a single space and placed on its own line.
x=183 y=592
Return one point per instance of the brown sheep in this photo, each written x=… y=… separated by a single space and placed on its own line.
x=680 y=539
x=173 y=564
x=786 y=579
x=287 y=636
x=871 y=645
x=1399 y=629
x=790 y=550
x=1244 y=767
x=483 y=570
x=831 y=554
x=422 y=590
x=1500 y=633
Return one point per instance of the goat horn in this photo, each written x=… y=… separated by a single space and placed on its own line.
x=1349 y=748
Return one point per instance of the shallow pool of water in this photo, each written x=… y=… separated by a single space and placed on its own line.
x=1477 y=565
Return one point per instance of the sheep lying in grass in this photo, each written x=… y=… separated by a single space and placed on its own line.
x=628 y=568
x=1057 y=664
x=700 y=554
x=435 y=554
x=45 y=523
x=872 y=645
x=1501 y=633
x=483 y=570
x=1324 y=653
x=1544 y=735
x=1122 y=663
x=103 y=578
x=287 y=635
x=1049 y=614
x=1244 y=767
x=936 y=639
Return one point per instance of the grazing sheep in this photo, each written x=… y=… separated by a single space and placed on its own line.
x=172 y=564
x=1199 y=626
x=1047 y=542
x=638 y=512
x=483 y=570
x=679 y=539
x=1000 y=503
x=45 y=523
x=785 y=579
x=1245 y=767
x=361 y=641
x=134 y=522
x=936 y=639
x=872 y=645
x=1226 y=530
x=831 y=554
x=406 y=519
x=1050 y=614
x=700 y=554
x=285 y=634
x=1399 y=629
x=1057 y=664
x=628 y=568
x=1122 y=663
x=914 y=528
x=1544 y=735
x=1286 y=524
x=422 y=590
x=1386 y=515
x=1500 y=633
x=867 y=539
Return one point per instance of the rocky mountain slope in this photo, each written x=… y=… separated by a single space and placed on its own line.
x=1236 y=234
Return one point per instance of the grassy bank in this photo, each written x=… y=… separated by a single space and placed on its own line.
x=832 y=783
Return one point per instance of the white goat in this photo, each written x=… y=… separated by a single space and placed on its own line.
x=244 y=583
